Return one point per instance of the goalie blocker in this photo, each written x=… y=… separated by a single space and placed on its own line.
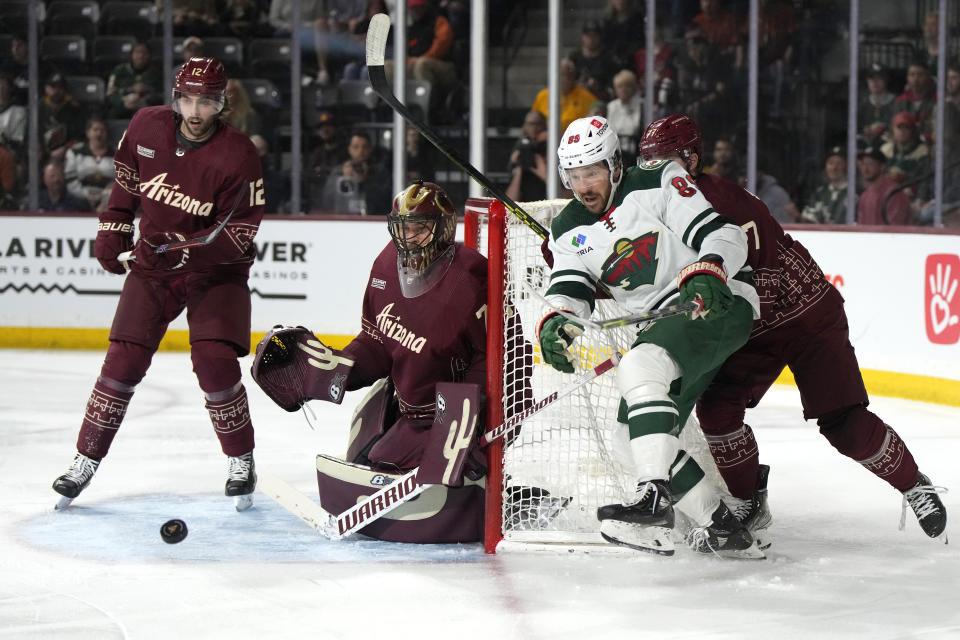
x=450 y=509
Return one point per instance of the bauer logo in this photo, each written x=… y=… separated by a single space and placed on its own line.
x=941 y=302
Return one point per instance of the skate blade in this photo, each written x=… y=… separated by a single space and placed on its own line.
x=753 y=552
x=242 y=503
x=649 y=539
x=62 y=503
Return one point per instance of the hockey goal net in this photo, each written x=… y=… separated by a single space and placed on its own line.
x=548 y=475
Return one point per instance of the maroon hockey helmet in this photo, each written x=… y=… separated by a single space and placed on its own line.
x=423 y=224
x=203 y=76
x=676 y=133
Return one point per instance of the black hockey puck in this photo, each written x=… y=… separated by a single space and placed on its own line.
x=173 y=531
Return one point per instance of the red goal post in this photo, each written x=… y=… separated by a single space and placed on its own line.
x=549 y=474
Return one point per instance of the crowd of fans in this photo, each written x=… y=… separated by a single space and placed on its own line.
x=699 y=53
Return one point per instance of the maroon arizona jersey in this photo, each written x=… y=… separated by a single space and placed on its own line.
x=439 y=336
x=787 y=278
x=189 y=193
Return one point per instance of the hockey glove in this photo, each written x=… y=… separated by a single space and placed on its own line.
x=146 y=259
x=113 y=238
x=705 y=282
x=556 y=334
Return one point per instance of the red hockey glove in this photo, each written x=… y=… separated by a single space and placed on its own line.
x=705 y=282
x=145 y=259
x=113 y=238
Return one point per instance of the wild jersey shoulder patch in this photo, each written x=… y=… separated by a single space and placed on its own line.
x=650 y=165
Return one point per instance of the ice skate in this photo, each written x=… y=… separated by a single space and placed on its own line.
x=754 y=512
x=532 y=508
x=75 y=480
x=925 y=502
x=724 y=536
x=241 y=480
x=643 y=524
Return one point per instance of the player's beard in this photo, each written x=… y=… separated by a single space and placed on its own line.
x=198 y=129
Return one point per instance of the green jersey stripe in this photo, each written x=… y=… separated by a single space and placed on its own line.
x=698 y=219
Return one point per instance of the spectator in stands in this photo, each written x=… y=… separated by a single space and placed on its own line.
x=878 y=184
x=597 y=108
x=8 y=180
x=528 y=161
x=724 y=160
x=54 y=196
x=574 y=99
x=720 y=30
x=594 y=61
x=929 y=50
x=703 y=85
x=773 y=195
x=919 y=98
x=420 y=158
x=313 y=16
x=134 y=84
x=828 y=204
x=13 y=117
x=61 y=118
x=876 y=108
x=952 y=88
x=276 y=183
x=329 y=152
x=15 y=67
x=908 y=157
x=622 y=28
x=624 y=113
x=194 y=17
x=89 y=166
x=777 y=29
x=238 y=111
x=242 y=18
x=193 y=47
x=665 y=74
x=358 y=185
x=356 y=69
x=429 y=48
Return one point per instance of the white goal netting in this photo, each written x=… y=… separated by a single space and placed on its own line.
x=572 y=457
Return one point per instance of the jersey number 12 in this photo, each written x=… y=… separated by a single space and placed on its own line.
x=256 y=193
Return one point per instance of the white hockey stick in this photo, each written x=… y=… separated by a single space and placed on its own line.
x=404 y=488
x=199 y=241
x=621 y=321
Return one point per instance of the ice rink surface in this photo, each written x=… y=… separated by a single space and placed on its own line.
x=839 y=567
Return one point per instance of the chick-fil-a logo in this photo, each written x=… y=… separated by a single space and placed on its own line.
x=940 y=298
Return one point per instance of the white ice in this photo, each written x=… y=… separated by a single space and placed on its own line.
x=839 y=567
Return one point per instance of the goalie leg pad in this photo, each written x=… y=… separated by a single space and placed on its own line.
x=370 y=420
x=438 y=515
x=452 y=449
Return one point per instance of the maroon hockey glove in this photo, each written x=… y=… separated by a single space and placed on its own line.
x=113 y=238
x=145 y=259
x=705 y=282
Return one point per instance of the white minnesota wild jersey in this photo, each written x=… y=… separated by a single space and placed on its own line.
x=659 y=223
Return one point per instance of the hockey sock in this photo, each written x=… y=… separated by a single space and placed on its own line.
x=105 y=410
x=737 y=460
x=230 y=415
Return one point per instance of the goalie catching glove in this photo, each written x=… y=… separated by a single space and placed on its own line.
x=292 y=366
x=556 y=335
x=705 y=282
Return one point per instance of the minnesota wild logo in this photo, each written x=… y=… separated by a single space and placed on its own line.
x=633 y=263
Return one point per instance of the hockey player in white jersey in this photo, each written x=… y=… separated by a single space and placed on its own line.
x=650 y=238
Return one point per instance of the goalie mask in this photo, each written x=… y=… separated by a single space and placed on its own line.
x=422 y=223
x=201 y=76
x=588 y=141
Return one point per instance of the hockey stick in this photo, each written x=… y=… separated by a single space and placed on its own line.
x=621 y=321
x=198 y=241
x=376 y=49
x=404 y=488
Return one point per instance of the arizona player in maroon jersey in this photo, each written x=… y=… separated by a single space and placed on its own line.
x=802 y=325
x=186 y=170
